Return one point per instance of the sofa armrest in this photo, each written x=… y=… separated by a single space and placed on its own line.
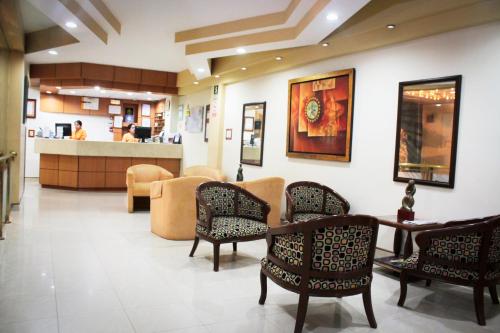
x=130 y=178
x=156 y=189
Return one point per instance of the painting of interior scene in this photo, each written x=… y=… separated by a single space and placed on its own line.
x=426 y=131
x=320 y=117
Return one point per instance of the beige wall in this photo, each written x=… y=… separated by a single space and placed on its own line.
x=4 y=59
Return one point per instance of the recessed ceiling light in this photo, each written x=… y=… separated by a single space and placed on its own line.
x=196 y=82
x=70 y=25
x=243 y=68
x=332 y=17
x=72 y=92
x=58 y=87
x=279 y=58
x=130 y=93
x=201 y=70
x=148 y=92
x=325 y=44
x=438 y=105
x=390 y=26
x=149 y=98
x=53 y=52
x=49 y=92
x=241 y=50
x=103 y=91
x=97 y=88
x=217 y=76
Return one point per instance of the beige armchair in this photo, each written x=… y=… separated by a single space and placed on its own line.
x=270 y=190
x=205 y=171
x=139 y=179
x=173 y=207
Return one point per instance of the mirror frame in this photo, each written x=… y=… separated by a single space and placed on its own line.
x=456 y=111
x=263 y=127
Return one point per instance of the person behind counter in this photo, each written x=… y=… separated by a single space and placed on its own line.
x=79 y=133
x=129 y=137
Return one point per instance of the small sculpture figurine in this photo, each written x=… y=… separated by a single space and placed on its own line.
x=239 y=176
x=408 y=200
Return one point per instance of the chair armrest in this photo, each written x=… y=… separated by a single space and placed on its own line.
x=258 y=213
x=203 y=212
x=156 y=190
x=345 y=206
x=130 y=178
x=289 y=207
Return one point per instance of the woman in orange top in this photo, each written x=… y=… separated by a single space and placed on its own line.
x=129 y=137
x=79 y=133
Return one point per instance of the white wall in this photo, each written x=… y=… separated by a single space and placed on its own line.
x=195 y=148
x=366 y=182
x=97 y=128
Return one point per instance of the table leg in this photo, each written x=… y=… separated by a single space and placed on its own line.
x=408 y=251
x=398 y=237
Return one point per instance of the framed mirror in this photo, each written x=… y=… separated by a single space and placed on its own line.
x=252 y=133
x=427 y=129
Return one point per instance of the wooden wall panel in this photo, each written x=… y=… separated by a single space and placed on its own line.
x=127 y=75
x=68 y=163
x=154 y=78
x=172 y=80
x=51 y=103
x=91 y=179
x=73 y=104
x=69 y=70
x=43 y=71
x=118 y=164
x=49 y=177
x=170 y=164
x=138 y=160
x=91 y=164
x=49 y=161
x=68 y=178
x=97 y=72
x=126 y=86
x=115 y=180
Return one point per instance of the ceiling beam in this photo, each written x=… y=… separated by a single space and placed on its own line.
x=47 y=39
x=107 y=14
x=256 y=22
x=74 y=7
x=11 y=25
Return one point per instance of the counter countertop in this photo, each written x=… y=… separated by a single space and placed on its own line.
x=107 y=148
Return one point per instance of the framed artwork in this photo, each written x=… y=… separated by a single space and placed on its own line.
x=31 y=108
x=145 y=110
x=229 y=133
x=248 y=124
x=320 y=109
x=207 y=120
x=31 y=133
x=427 y=130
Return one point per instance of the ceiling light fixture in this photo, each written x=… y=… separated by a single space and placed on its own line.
x=217 y=76
x=49 y=92
x=130 y=94
x=148 y=92
x=278 y=58
x=97 y=88
x=149 y=98
x=244 y=68
x=390 y=26
x=332 y=17
x=241 y=50
x=72 y=92
x=103 y=91
x=71 y=25
x=201 y=70
x=53 y=52
x=325 y=44
x=58 y=87
x=196 y=82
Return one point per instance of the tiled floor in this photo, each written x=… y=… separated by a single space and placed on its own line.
x=78 y=262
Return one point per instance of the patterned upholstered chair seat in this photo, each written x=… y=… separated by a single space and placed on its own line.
x=309 y=200
x=226 y=213
x=298 y=217
x=331 y=256
x=462 y=252
x=229 y=227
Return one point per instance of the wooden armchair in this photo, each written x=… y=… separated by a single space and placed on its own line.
x=226 y=213
x=467 y=254
x=309 y=200
x=327 y=257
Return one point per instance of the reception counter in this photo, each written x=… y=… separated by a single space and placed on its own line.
x=99 y=164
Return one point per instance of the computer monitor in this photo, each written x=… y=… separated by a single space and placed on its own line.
x=142 y=133
x=66 y=128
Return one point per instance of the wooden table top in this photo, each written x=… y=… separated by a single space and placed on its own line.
x=392 y=221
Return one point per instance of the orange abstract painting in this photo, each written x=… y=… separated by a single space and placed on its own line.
x=320 y=116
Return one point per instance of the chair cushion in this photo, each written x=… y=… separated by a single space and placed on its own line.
x=448 y=272
x=307 y=198
x=229 y=227
x=306 y=216
x=141 y=189
x=314 y=283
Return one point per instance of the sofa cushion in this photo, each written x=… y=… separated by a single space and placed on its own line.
x=314 y=283
x=297 y=217
x=229 y=227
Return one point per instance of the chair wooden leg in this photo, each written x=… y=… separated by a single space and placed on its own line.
x=367 y=302
x=235 y=246
x=428 y=282
x=216 y=256
x=195 y=245
x=263 y=288
x=479 y=304
x=301 y=312
x=403 y=281
x=493 y=293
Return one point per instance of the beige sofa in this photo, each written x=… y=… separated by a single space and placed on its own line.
x=173 y=207
x=139 y=179
x=270 y=190
x=205 y=171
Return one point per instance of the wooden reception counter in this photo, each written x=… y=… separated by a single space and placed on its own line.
x=99 y=164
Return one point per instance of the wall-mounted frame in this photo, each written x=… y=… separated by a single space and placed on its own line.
x=207 y=120
x=427 y=131
x=31 y=133
x=320 y=109
x=252 y=135
x=31 y=108
x=229 y=134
